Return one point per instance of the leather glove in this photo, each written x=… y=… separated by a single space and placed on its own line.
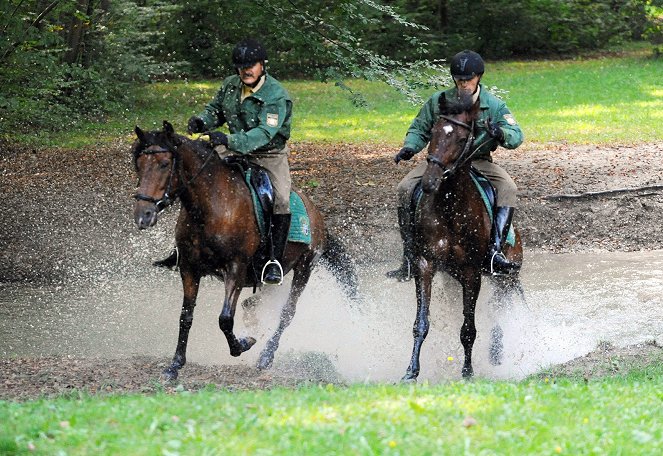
x=218 y=138
x=494 y=130
x=404 y=154
x=196 y=125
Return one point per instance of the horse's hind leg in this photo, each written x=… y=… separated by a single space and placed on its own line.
x=190 y=285
x=249 y=309
x=471 y=286
x=227 y=317
x=423 y=282
x=505 y=287
x=301 y=275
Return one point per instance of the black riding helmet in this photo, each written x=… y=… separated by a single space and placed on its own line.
x=247 y=53
x=465 y=65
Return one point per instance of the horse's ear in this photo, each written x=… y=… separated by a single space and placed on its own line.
x=442 y=102
x=474 y=112
x=168 y=128
x=139 y=133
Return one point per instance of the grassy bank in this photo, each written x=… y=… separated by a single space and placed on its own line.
x=598 y=100
x=617 y=415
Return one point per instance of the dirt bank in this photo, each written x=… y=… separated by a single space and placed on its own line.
x=67 y=218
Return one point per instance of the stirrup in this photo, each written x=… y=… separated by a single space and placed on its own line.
x=492 y=262
x=264 y=268
x=399 y=274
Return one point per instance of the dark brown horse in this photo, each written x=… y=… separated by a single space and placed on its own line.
x=218 y=233
x=451 y=231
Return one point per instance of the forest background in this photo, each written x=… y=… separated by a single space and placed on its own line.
x=67 y=62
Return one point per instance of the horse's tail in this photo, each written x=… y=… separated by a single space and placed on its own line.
x=337 y=259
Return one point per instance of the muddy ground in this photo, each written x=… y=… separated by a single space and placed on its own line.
x=67 y=218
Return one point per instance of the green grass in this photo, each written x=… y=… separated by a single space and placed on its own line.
x=592 y=100
x=616 y=415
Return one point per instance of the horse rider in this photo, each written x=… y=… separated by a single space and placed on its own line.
x=495 y=125
x=258 y=112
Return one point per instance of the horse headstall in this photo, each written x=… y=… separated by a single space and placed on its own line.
x=168 y=197
x=465 y=154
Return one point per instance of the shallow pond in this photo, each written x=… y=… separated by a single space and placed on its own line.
x=574 y=301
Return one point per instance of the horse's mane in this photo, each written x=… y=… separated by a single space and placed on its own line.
x=174 y=142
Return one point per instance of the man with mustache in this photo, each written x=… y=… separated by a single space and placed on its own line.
x=258 y=111
x=495 y=126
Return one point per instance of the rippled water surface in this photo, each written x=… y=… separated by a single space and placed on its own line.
x=573 y=302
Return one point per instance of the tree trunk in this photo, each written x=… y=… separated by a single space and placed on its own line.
x=75 y=33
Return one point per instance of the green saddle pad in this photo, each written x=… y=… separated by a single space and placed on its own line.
x=300 y=224
x=510 y=237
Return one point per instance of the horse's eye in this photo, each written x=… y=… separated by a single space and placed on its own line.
x=164 y=164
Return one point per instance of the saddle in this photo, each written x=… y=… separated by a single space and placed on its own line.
x=486 y=190
x=262 y=193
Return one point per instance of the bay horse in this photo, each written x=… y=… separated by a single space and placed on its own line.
x=218 y=234
x=451 y=231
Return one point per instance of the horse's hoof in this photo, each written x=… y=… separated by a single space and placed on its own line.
x=243 y=345
x=409 y=378
x=265 y=361
x=169 y=374
x=467 y=373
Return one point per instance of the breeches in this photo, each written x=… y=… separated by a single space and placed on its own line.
x=505 y=186
x=278 y=168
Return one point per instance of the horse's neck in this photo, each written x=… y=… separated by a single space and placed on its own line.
x=202 y=174
x=456 y=191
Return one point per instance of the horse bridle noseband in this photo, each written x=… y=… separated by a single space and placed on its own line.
x=166 y=200
x=464 y=156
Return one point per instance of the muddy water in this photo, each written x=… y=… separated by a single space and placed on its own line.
x=573 y=302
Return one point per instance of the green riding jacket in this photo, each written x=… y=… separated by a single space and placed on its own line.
x=259 y=123
x=419 y=133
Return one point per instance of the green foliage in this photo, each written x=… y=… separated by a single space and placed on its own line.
x=505 y=28
x=51 y=81
x=320 y=39
x=552 y=100
x=614 y=415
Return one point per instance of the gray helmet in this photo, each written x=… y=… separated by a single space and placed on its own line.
x=247 y=53
x=466 y=65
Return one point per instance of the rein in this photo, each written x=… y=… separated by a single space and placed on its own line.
x=464 y=156
x=167 y=199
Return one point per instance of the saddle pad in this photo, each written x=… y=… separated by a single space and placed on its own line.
x=417 y=194
x=488 y=201
x=300 y=224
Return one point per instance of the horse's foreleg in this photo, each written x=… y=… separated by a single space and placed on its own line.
x=300 y=279
x=233 y=285
x=423 y=282
x=190 y=284
x=468 y=333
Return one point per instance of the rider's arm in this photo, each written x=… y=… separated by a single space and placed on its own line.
x=212 y=116
x=513 y=135
x=419 y=133
x=271 y=117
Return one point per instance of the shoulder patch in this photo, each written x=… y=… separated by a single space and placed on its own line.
x=273 y=120
x=510 y=119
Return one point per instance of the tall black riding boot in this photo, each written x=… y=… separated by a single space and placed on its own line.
x=169 y=262
x=273 y=271
x=497 y=263
x=404 y=272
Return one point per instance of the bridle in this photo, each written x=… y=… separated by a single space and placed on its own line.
x=166 y=199
x=464 y=156
x=169 y=195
